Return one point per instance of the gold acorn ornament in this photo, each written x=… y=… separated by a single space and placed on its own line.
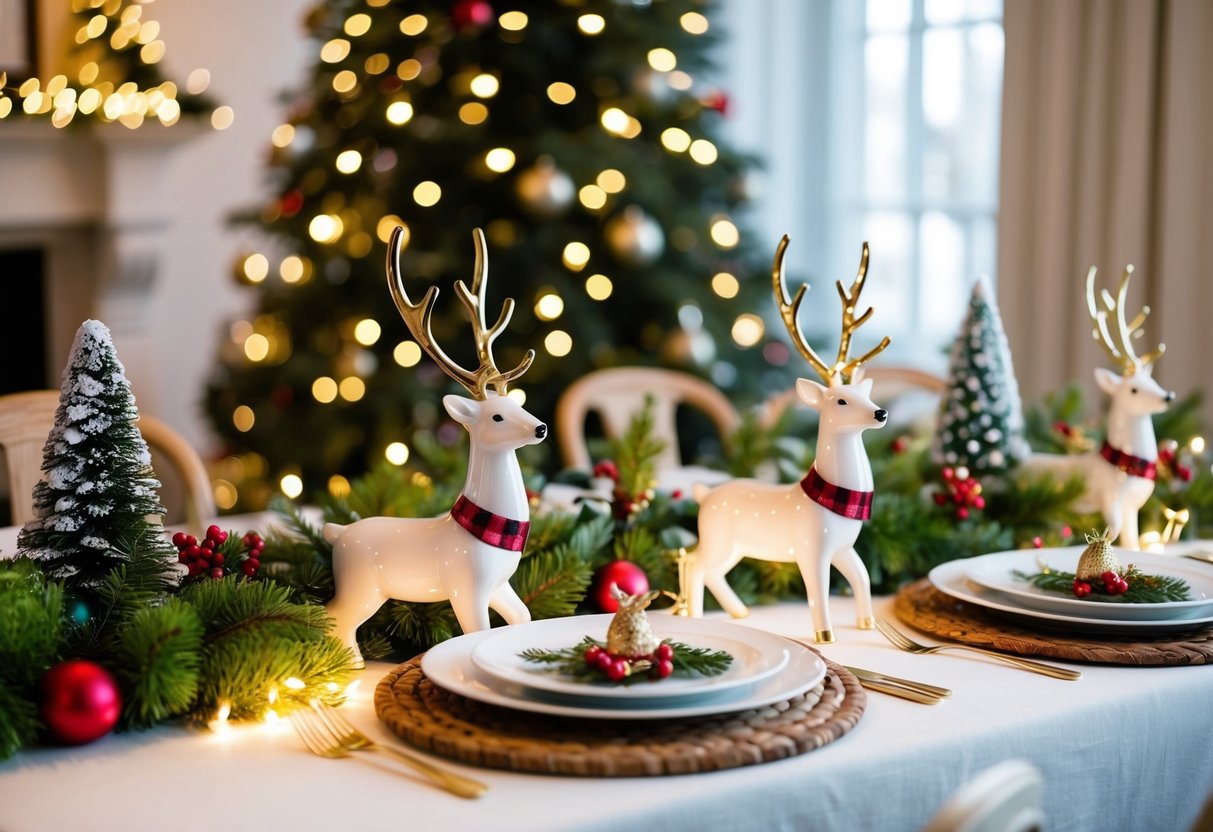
x=1098 y=564
x=630 y=633
x=1097 y=558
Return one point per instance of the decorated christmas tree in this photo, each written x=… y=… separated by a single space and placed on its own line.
x=981 y=424
x=581 y=137
x=98 y=491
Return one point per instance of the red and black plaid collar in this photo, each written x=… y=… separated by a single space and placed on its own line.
x=1128 y=463
x=494 y=529
x=854 y=504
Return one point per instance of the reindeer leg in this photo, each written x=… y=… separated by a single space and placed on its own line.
x=724 y=593
x=815 y=569
x=472 y=612
x=847 y=562
x=506 y=601
x=346 y=610
x=1113 y=515
x=1128 y=529
x=358 y=597
x=694 y=589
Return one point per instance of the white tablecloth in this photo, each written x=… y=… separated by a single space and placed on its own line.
x=1124 y=748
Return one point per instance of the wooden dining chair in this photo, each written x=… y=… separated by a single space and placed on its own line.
x=26 y=420
x=616 y=394
x=1006 y=797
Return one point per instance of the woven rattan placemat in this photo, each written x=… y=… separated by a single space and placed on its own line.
x=476 y=733
x=925 y=608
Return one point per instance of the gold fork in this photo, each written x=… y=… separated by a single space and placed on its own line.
x=901 y=640
x=327 y=733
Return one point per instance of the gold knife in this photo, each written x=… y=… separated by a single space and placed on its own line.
x=898 y=691
x=931 y=690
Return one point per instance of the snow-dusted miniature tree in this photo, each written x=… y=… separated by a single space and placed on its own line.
x=98 y=494
x=981 y=423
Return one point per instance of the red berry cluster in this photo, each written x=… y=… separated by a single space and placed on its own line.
x=1113 y=584
x=623 y=504
x=219 y=553
x=961 y=491
x=607 y=468
x=659 y=663
x=1168 y=459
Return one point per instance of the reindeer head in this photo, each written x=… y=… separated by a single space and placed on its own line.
x=1133 y=391
x=493 y=419
x=844 y=401
x=496 y=423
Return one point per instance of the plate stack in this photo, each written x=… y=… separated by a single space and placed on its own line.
x=993 y=582
x=488 y=667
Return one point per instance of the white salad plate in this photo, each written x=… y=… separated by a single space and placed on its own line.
x=996 y=572
x=951 y=579
x=756 y=655
x=449 y=665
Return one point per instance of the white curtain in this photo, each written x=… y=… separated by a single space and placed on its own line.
x=1107 y=161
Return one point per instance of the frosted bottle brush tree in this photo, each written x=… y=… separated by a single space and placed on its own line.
x=98 y=487
x=981 y=424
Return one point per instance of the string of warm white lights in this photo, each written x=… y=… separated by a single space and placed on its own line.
x=112 y=32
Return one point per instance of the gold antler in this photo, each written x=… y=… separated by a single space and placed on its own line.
x=789 y=310
x=850 y=323
x=417 y=317
x=1120 y=349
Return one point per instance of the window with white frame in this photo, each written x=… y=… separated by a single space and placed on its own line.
x=917 y=146
x=879 y=121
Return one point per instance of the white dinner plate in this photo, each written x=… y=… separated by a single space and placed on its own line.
x=950 y=579
x=756 y=655
x=449 y=665
x=996 y=572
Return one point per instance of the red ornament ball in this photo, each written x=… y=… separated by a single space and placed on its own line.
x=79 y=702
x=629 y=577
x=465 y=13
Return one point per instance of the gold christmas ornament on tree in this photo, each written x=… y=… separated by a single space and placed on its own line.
x=1097 y=558
x=544 y=189
x=634 y=237
x=630 y=633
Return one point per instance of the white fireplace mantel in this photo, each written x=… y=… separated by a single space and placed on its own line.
x=92 y=197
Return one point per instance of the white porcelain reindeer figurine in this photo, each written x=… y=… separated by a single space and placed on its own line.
x=813 y=523
x=469 y=554
x=1120 y=475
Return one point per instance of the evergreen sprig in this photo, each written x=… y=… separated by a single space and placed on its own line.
x=551 y=583
x=687 y=660
x=635 y=452
x=31 y=636
x=157 y=662
x=1143 y=588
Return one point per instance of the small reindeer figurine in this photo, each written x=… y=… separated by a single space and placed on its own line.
x=468 y=555
x=1120 y=475
x=813 y=523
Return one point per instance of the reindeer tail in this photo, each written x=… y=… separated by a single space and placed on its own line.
x=332 y=531
x=699 y=491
